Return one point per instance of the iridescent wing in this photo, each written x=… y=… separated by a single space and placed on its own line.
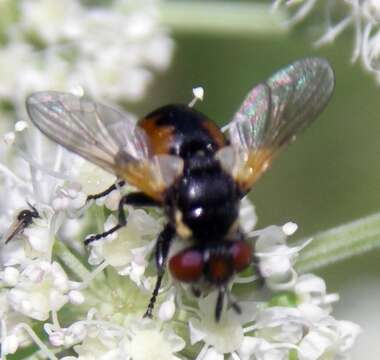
x=105 y=136
x=271 y=116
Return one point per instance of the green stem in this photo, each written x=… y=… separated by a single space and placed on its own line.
x=341 y=243
x=222 y=18
x=70 y=260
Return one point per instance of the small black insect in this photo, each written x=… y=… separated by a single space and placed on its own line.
x=24 y=219
x=179 y=160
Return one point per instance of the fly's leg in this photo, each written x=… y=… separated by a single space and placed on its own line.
x=219 y=303
x=161 y=253
x=107 y=191
x=137 y=199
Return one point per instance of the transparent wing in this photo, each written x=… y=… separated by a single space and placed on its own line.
x=274 y=112
x=104 y=136
x=16 y=228
x=98 y=133
x=250 y=124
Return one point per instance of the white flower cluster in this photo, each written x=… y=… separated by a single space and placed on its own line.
x=33 y=286
x=109 y=50
x=97 y=314
x=90 y=302
x=42 y=280
x=362 y=15
x=98 y=339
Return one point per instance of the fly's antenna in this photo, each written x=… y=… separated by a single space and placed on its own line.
x=34 y=210
x=198 y=93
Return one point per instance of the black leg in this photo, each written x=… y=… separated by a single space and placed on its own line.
x=260 y=278
x=219 y=303
x=162 y=250
x=107 y=191
x=137 y=199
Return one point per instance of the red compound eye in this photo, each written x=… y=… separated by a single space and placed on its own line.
x=241 y=255
x=187 y=265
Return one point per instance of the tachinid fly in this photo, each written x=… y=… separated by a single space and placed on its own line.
x=178 y=159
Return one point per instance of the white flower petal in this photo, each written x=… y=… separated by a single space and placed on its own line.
x=247 y=215
x=159 y=347
x=312 y=313
x=212 y=354
x=14 y=253
x=167 y=309
x=10 y=276
x=9 y=345
x=314 y=344
x=76 y=297
x=196 y=332
x=348 y=332
x=310 y=284
x=225 y=336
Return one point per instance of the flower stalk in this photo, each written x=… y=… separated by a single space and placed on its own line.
x=222 y=18
x=70 y=260
x=341 y=243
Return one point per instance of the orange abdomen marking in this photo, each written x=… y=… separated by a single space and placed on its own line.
x=160 y=137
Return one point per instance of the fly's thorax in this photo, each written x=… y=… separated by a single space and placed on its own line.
x=181 y=130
